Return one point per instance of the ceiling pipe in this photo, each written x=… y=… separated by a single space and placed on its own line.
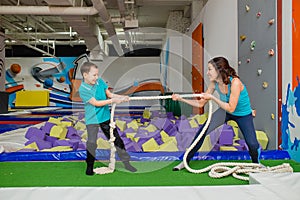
x=122 y=10
x=33 y=47
x=47 y=10
x=121 y=6
x=107 y=23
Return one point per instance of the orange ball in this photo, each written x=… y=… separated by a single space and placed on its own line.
x=61 y=79
x=15 y=68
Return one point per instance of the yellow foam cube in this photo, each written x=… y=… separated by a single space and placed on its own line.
x=164 y=136
x=227 y=148
x=168 y=146
x=151 y=128
x=31 y=98
x=84 y=135
x=136 y=139
x=80 y=126
x=65 y=123
x=201 y=119
x=150 y=145
x=32 y=145
x=146 y=114
x=133 y=124
x=206 y=146
x=235 y=128
x=193 y=123
x=58 y=132
x=130 y=135
x=103 y=144
x=262 y=139
x=54 y=120
x=121 y=124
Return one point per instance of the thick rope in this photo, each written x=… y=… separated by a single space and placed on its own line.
x=217 y=170
x=112 y=160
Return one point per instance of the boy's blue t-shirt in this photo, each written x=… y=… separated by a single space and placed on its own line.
x=94 y=114
x=243 y=106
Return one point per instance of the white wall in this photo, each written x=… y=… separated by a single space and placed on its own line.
x=124 y=71
x=220 y=22
x=286 y=45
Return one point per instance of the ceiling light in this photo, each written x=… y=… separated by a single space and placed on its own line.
x=28 y=28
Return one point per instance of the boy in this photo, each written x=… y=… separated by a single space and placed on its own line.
x=96 y=98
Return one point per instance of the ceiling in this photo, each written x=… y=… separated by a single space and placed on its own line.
x=100 y=25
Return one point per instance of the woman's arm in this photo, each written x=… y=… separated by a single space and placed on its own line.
x=196 y=103
x=236 y=88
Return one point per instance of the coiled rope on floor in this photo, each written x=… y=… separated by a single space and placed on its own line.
x=217 y=170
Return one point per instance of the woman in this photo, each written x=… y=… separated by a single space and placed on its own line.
x=234 y=105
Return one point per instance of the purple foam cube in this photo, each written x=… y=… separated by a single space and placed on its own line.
x=133 y=147
x=81 y=146
x=154 y=113
x=158 y=122
x=141 y=141
x=101 y=135
x=126 y=140
x=184 y=141
x=129 y=130
x=80 y=116
x=226 y=136
x=243 y=144
x=143 y=120
x=141 y=132
x=80 y=132
x=47 y=127
x=50 y=139
x=214 y=136
x=41 y=144
x=183 y=125
x=121 y=133
x=72 y=133
x=33 y=131
x=216 y=147
x=170 y=115
x=171 y=130
x=239 y=147
x=62 y=143
x=74 y=144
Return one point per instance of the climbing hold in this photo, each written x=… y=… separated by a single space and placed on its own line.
x=271 y=21
x=265 y=84
x=252 y=45
x=247 y=7
x=243 y=37
x=271 y=52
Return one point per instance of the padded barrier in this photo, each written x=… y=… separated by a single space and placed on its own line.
x=141 y=156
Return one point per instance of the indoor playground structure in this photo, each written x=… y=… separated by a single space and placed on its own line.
x=43 y=134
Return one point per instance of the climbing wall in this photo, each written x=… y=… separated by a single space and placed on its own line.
x=257 y=62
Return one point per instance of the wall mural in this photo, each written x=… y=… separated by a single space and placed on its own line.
x=290 y=116
x=2 y=66
x=53 y=74
x=62 y=78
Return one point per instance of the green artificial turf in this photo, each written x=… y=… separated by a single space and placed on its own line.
x=40 y=174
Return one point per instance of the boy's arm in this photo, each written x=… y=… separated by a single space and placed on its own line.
x=121 y=98
x=97 y=103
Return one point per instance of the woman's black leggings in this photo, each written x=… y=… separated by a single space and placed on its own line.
x=245 y=123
